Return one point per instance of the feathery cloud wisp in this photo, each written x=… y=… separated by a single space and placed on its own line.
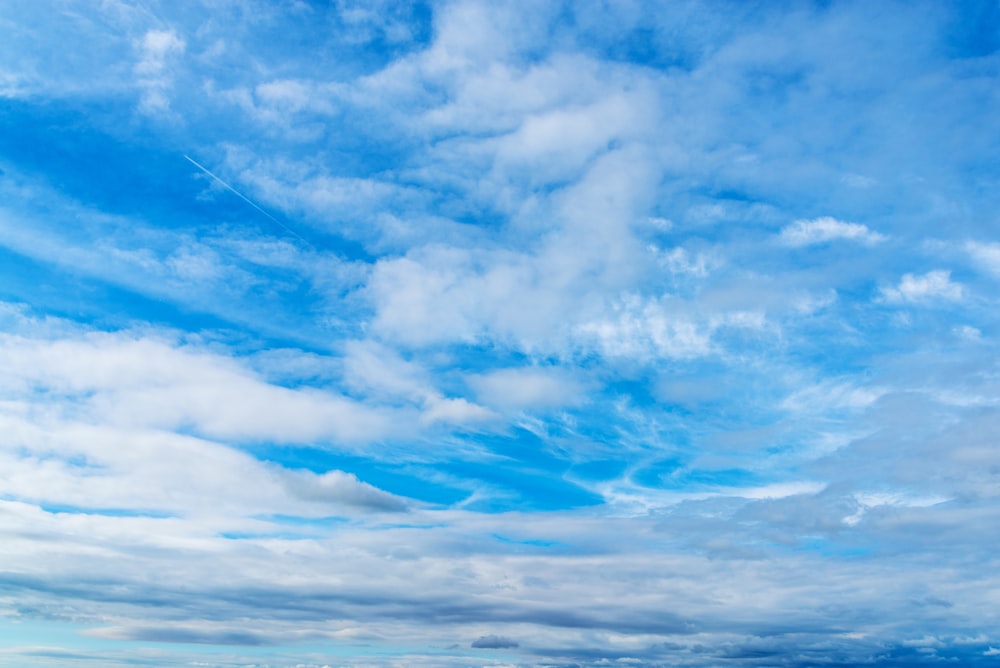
x=822 y=230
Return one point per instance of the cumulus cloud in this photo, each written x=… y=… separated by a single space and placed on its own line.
x=825 y=229
x=934 y=285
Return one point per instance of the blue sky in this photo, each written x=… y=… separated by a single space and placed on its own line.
x=499 y=334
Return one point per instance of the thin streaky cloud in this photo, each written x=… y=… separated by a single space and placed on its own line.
x=825 y=229
x=246 y=199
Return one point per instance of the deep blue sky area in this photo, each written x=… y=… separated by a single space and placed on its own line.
x=501 y=334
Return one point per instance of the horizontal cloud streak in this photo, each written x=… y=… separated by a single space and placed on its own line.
x=821 y=230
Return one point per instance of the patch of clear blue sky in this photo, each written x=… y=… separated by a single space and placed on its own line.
x=130 y=172
x=106 y=512
x=103 y=305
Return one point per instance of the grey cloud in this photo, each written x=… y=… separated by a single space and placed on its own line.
x=62 y=655
x=494 y=642
x=340 y=487
x=182 y=635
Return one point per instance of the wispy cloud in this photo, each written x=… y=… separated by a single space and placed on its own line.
x=245 y=199
x=822 y=230
x=986 y=255
x=156 y=49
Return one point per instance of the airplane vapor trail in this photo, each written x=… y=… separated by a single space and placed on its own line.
x=244 y=198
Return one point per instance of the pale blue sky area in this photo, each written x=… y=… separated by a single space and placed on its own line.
x=499 y=333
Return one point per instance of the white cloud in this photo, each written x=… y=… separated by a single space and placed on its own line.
x=778 y=490
x=987 y=255
x=646 y=329
x=556 y=144
x=49 y=461
x=156 y=46
x=455 y=411
x=11 y=85
x=291 y=109
x=59 y=461
x=140 y=381
x=285 y=95
x=667 y=328
x=153 y=73
x=435 y=295
x=871 y=500
x=382 y=374
x=808 y=304
x=822 y=230
x=968 y=332
x=829 y=396
x=378 y=370
x=530 y=388
x=537 y=295
x=223 y=275
x=932 y=285
x=681 y=261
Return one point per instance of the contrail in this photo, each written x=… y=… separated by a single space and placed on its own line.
x=245 y=198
